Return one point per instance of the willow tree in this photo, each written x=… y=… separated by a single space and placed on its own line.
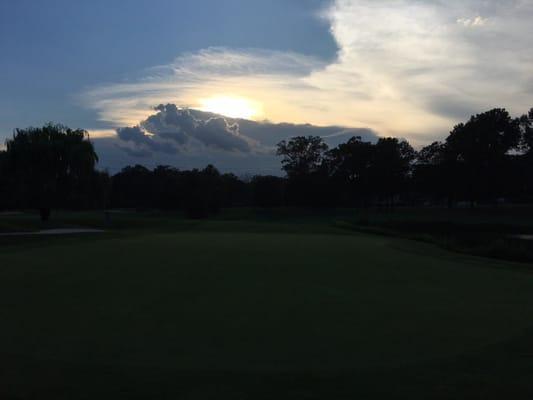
x=49 y=164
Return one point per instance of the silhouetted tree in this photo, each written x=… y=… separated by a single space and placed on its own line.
x=101 y=189
x=132 y=188
x=390 y=167
x=268 y=191
x=488 y=157
x=211 y=188
x=303 y=161
x=433 y=175
x=302 y=155
x=49 y=165
x=349 y=164
x=479 y=149
x=526 y=126
x=4 y=181
x=523 y=165
x=201 y=192
x=235 y=192
x=166 y=188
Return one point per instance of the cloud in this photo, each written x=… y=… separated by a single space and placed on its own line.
x=134 y=134
x=102 y=133
x=268 y=134
x=252 y=73
x=186 y=131
x=189 y=138
x=473 y=22
x=145 y=141
x=136 y=152
x=406 y=68
x=172 y=129
x=218 y=133
x=412 y=55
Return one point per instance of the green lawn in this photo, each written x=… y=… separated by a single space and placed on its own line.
x=168 y=308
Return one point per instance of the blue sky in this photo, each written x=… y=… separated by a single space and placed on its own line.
x=404 y=68
x=52 y=50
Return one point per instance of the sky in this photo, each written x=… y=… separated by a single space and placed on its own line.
x=193 y=82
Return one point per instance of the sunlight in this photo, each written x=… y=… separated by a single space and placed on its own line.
x=230 y=106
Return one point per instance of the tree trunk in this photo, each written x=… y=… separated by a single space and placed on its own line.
x=44 y=214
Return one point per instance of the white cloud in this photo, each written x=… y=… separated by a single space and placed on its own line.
x=260 y=75
x=472 y=22
x=427 y=72
x=408 y=68
x=102 y=133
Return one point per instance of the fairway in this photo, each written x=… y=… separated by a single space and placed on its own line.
x=216 y=310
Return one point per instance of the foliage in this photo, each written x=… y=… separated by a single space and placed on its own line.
x=268 y=191
x=199 y=193
x=49 y=166
x=483 y=161
x=302 y=155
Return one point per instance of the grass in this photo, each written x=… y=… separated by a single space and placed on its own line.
x=262 y=308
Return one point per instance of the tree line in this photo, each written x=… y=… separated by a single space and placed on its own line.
x=486 y=160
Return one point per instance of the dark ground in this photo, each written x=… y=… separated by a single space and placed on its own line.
x=264 y=305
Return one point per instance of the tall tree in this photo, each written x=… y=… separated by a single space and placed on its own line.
x=133 y=188
x=49 y=164
x=433 y=173
x=4 y=202
x=166 y=187
x=390 y=167
x=348 y=166
x=480 y=148
x=268 y=191
x=526 y=125
x=302 y=155
x=524 y=163
x=351 y=160
x=303 y=161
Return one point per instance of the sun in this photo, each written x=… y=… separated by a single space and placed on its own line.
x=231 y=106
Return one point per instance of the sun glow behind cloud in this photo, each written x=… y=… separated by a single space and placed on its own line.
x=231 y=106
x=404 y=68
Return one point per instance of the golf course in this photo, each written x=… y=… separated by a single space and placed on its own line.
x=158 y=306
